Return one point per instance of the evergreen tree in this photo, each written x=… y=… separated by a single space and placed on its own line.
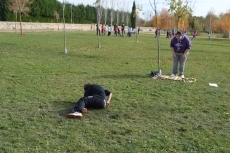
x=80 y=13
x=3 y=10
x=44 y=10
x=90 y=16
x=133 y=16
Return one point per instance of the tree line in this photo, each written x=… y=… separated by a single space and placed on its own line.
x=210 y=23
x=179 y=15
x=51 y=10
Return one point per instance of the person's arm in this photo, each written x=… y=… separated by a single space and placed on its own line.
x=173 y=53
x=109 y=98
x=172 y=48
x=187 y=50
x=185 y=53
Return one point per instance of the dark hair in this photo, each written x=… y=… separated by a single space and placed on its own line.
x=86 y=85
x=179 y=33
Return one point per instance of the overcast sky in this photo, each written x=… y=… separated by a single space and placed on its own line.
x=202 y=7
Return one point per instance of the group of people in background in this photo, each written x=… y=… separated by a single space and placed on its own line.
x=171 y=34
x=118 y=31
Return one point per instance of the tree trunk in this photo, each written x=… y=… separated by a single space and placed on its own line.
x=16 y=19
x=177 y=26
x=229 y=34
x=20 y=15
x=98 y=28
x=58 y=25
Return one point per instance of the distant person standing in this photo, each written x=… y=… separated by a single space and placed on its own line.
x=139 y=29
x=130 y=31
x=114 y=28
x=122 y=29
x=194 y=34
x=167 y=34
x=98 y=30
x=118 y=31
x=159 y=33
x=180 y=46
x=173 y=32
x=156 y=33
x=105 y=30
x=185 y=33
x=109 y=30
x=102 y=29
x=209 y=36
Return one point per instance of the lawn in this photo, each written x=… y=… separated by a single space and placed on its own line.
x=39 y=85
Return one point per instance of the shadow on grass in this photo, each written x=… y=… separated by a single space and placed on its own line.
x=81 y=56
x=122 y=76
x=67 y=105
x=64 y=107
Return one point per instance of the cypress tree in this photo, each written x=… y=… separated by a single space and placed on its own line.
x=133 y=16
x=3 y=10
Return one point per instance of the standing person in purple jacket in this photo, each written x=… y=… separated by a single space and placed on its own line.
x=180 y=46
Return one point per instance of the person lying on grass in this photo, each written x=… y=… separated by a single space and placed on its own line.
x=94 y=97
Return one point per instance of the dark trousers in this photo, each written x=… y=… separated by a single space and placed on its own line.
x=90 y=102
x=98 y=32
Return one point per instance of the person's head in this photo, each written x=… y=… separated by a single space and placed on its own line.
x=179 y=35
x=86 y=85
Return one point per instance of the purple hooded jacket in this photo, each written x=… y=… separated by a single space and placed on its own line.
x=180 y=46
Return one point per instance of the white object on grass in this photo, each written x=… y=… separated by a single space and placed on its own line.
x=213 y=84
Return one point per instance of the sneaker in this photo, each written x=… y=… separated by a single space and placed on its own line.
x=173 y=75
x=182 y=76
x=74 y=115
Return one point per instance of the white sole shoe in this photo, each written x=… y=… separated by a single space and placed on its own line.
x=74 y=115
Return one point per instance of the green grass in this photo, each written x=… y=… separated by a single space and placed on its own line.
x=213 y=35
x=39 y=85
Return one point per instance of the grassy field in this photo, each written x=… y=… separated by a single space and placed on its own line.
x=39 y=85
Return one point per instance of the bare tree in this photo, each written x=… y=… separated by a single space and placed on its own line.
x=154 y=7
x=21 y=7
x=118 y=5
x=139 y=9
x=98 y=5
x=13 y=7
x=123 y=12
x=105 y=5
x=210 y=22
x=127 y=14
x=63 y=16
x=147 y=15
x=57 y=17
x=111 y=12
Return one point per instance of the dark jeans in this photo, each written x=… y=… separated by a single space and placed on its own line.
x=123 y=31
x=98 y=32
x=179 y=59
x=90 y=102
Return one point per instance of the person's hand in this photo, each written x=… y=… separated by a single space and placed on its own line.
x=184 y=56
x=174 y=54
x=107 y=103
